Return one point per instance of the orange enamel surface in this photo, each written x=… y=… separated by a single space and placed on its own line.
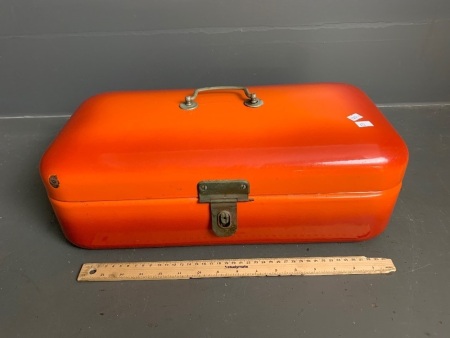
x=128 y=164
x=286 y=219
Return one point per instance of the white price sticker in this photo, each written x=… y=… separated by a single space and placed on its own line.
x=354 y=117
x=363 y=124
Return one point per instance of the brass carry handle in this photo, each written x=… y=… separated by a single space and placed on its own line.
x=252 y=102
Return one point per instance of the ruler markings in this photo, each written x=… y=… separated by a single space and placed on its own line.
x=250 y=267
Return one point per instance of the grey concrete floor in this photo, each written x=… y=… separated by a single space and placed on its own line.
x=40 y=297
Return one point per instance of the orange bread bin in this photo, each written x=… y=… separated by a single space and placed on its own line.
x=225 y=165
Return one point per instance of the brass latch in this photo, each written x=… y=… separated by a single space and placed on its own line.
x=223 y=197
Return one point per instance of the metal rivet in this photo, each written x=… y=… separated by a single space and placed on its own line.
x=203 y=187
x=53 y=180
x=243 y=186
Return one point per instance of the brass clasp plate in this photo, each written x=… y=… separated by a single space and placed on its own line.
x=223 y=197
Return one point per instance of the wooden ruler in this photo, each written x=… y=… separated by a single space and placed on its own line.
x=242 y=267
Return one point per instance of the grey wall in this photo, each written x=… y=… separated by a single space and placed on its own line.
x=56 y=53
